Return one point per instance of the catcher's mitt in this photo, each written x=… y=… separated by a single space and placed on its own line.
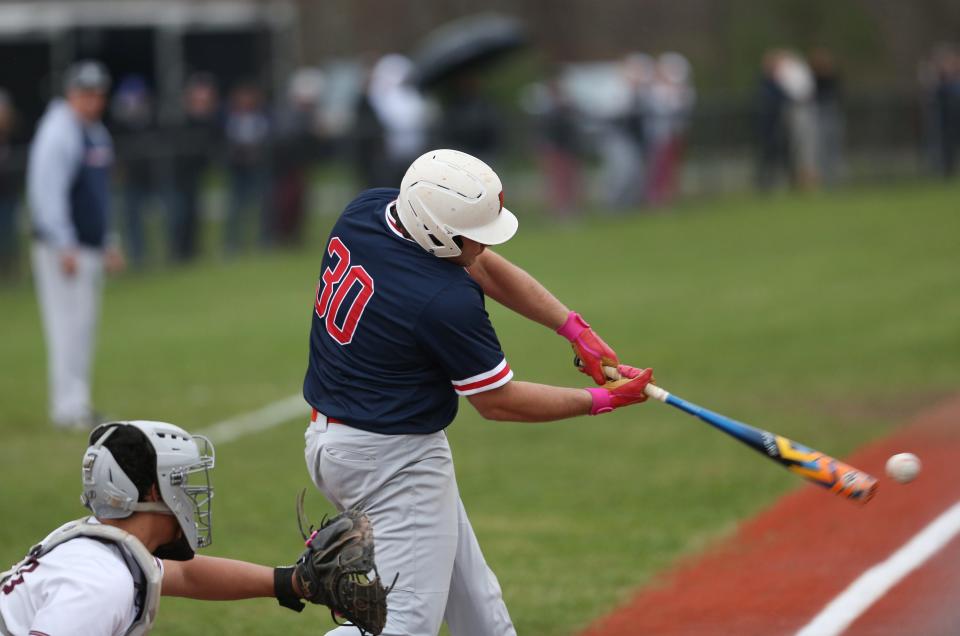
x=334 y=570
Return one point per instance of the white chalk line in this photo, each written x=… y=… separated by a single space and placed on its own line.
x=262 y=419
x=842 y=611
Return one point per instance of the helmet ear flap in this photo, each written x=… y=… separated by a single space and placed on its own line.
x=422 y=226
x=107 y=490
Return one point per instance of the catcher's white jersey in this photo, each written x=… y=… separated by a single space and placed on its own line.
x=82 y=586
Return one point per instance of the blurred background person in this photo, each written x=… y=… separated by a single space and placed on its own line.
x=796 y=80
x=829 y=110
x=403 y=112
x=247 y=138
x=68 y=186
x=670 y=103
x=946 y=102
x=132 y=119
x=773 y=150
x=296 y=146
x=558 y=145
x=392 y=123
x=9 y=193
x=927 y=81
x=367 y=139
x=623 y=139
x=197 y=145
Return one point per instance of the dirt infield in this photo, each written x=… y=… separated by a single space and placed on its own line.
x=781 y=568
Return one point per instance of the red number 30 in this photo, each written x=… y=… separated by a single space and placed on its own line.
x=333 y=287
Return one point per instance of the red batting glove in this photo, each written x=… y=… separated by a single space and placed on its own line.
x=623 y=392
x=593 y=352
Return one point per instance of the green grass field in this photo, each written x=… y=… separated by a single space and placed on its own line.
x=826 y=318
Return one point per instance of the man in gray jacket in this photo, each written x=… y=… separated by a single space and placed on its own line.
x=68 y=188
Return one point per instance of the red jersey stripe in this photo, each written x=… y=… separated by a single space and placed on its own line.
x=479 y=384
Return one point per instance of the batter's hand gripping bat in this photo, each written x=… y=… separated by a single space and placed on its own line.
x=838 y=477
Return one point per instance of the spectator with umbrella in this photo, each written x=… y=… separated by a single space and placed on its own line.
x=451 y=61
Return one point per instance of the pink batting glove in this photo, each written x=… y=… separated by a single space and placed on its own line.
x=629 y=390
x=593 y=352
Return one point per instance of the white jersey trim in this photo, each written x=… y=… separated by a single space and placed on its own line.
x=391 y=224
x=486 y=381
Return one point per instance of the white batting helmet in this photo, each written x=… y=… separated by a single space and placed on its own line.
x=448 y=193
x=183 y=478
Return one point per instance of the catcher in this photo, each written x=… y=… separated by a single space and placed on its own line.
x=148 y=486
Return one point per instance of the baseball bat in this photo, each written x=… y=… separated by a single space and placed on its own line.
x=840 y=478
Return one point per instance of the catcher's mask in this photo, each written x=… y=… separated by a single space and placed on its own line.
x=183 y=480
x=446 y=194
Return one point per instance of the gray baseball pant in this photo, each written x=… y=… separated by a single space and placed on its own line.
x=406 y=485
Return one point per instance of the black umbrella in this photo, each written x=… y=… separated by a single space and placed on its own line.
x=465 y=45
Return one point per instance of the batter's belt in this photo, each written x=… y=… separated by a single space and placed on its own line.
x=330 y=420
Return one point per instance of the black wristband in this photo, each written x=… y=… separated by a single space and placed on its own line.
x=283 y=589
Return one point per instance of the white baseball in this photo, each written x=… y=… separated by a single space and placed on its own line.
x=903 y=467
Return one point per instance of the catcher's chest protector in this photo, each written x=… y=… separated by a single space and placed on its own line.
x=135 y=555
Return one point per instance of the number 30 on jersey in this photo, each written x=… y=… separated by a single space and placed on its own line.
x=334 y=287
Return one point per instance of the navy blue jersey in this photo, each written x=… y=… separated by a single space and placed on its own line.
x=90 y=192
x=397 y=333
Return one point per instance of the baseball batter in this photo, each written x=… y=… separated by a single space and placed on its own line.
x=399 y=331
x=148 y=485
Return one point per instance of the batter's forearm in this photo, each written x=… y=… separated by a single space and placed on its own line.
x=530 y=402
x=517 y=290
